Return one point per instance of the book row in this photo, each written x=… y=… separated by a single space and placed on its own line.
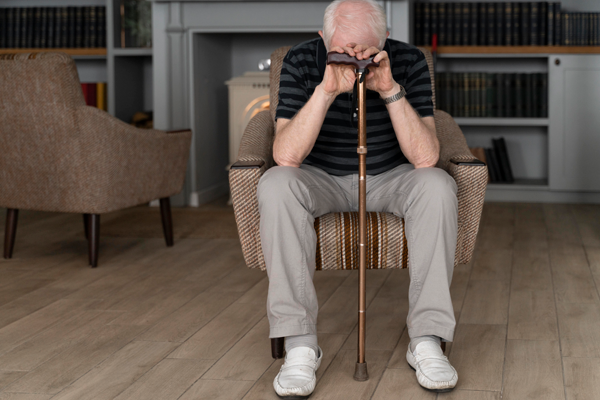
x=494 y=95
x=53 y=27
x=504 y=24
x=497 y=161
x=95 y=94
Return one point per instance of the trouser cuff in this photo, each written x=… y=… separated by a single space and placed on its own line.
x=446 y=334
x=292 y=330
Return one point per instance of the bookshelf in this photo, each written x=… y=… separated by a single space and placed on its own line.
x=493 y=51
x=127 y=71
x=551 y=157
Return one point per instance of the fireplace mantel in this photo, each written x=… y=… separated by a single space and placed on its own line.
x=192 y=60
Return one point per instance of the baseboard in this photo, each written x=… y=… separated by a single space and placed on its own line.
x=209 y=194
x=540 y=196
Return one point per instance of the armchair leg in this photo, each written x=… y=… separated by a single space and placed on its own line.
x=12 y=216
x=86 y=225
x=277 y=347
x=94 y=238
x=167 y=220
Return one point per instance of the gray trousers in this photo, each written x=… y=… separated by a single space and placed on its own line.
x=291 y=198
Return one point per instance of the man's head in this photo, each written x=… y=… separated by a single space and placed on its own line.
x=358 y=21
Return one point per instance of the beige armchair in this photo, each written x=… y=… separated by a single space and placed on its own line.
x=385 y=233
x=60 y=155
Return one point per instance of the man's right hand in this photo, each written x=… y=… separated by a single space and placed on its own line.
x=339 y=78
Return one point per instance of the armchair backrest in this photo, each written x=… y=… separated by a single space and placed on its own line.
x=38 y=98
x=277 y=61
x=34 y=79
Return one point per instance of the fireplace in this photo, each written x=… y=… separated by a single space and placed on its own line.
x=199 y=45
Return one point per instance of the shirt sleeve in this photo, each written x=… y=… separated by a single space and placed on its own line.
x=418 y=87
x=293 y=93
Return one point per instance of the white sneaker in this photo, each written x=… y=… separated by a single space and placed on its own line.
x=296 y=378
x=434 y=371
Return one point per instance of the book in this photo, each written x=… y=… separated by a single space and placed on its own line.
x=79 y=27
x=36 y=28
x=491 y=24
x=482 y=24
x=28 y=26
x=419 y=24
x=493 y=168
x=508 y=93
x=534 y=17
x=508 y=20
x=525 y=21
x=22 y=18
x=550 y=27
x=101 y=27
x=543 y=95
x=91 y=95
x=474 y=23
x=516 y=24
x=449 y=24
x=503 y=161
x=543 y=23
x=529 y=88
x=566 y=25
x=441 y=12
x=466 y=24
x=457 y=41
x=519 y=96
x=71 y=32
x=433 y=28
x=3 y=28
x=499 y=24
x=101 y=96
x=51 y=29
x=427 y=24
x=557 y=25
x=84 y=88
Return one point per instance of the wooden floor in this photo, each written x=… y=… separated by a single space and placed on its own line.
x=189 y=322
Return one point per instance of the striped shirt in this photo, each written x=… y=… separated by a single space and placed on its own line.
x=335 y=148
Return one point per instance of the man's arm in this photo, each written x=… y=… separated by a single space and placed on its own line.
x=295 y=138
x=416 y=135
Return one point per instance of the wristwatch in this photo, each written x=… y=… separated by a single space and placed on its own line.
x=396 y=96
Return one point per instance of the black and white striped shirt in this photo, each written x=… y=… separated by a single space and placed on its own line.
x=335 y=148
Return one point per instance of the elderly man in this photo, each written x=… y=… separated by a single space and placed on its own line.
x=315 y=149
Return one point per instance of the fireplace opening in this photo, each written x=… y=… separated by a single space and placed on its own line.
x=216 y=59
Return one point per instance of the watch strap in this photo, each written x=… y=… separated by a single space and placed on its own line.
x=395 y=97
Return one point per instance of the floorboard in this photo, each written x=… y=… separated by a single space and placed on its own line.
x=189 y=322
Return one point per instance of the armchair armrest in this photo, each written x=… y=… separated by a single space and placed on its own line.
x=254 y=158
x=122 y=166
x=470 y=175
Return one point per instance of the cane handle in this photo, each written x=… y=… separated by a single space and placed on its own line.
x=334 y=57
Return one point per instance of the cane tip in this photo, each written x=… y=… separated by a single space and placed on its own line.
x=360 y=372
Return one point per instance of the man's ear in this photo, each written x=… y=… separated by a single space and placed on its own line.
x=387 y=35
x=321 y=34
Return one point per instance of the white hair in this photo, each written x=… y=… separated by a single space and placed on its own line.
x=372 y=22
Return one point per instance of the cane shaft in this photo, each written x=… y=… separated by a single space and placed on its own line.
x=362 y=215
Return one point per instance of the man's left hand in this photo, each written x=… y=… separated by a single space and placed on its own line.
x=380 y=78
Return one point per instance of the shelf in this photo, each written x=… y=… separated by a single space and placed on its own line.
x=502 y=121
x=511 y=51
x=146 y=51
x=83 y=52
x=521 y=184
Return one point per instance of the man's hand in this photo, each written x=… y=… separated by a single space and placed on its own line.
x=339 y=78
x=380 y=78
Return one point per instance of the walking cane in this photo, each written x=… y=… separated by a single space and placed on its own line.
x=361 y=68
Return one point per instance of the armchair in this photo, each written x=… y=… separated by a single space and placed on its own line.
x=60 y=155
x=385 y=234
